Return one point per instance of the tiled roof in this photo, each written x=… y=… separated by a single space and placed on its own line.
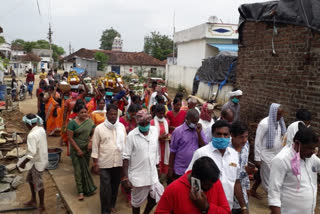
x=119 y=57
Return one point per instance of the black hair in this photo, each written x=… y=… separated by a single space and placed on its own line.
x=159 y=98
x=192 y=113
x=303 y=115
x=134 y=108
x=179 y=95
x=31 y=116
x=225 y=112
x=219 y=124
x=235 y=89
x=51 y=87
x=114 y=100
x=80 y=107
x=77 y=106
x=176 y=100
x=113 y=107
x=159 y=108
x=205 y=169
x=154 y=82
x=98 y=100
x=51 y=82
x=306 y=135
x=135 y=98
x=238 y=128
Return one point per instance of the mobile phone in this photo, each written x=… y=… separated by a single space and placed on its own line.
x=196 y=184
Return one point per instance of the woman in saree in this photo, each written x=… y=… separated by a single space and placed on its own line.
x=177 y=116
x=80 y=131
x=53 y=111
x=129 y=120
x=98 y=116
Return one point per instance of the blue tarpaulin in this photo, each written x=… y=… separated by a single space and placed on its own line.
x=78 y=70
x=229 y=47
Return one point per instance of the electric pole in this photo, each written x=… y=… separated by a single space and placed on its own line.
x=69 y=47
x=50 y=44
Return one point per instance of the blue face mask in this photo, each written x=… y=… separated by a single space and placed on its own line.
x=66 y=97
x=128 y=116
x=235 y=100
x=87 y=99
x=109 y=93
x=144 y=128
x=220 y=143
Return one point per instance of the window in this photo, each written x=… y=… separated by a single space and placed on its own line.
x=153 y=70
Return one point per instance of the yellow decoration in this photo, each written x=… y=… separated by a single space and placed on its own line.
x=73 y=78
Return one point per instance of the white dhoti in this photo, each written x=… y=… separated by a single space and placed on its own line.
x=265 y=174
x=140 y=194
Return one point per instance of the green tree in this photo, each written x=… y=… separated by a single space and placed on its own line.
x=42 y=44
x=103 y=60
x=157 y=45
x=2 y=40
x=107 y=38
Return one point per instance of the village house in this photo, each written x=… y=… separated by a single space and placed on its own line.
x=195 y=45
x=123 y=63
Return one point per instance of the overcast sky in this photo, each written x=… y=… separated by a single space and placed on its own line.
x=81 y=22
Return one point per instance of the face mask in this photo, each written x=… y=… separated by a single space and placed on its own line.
x=235 y=100
x=87 y=99
x=109 y=93
x=144 y=128
x=128 y=116
x=220 y=143
x=66 y=97
x=192 y=125
x=74 y=95
x=295 y=166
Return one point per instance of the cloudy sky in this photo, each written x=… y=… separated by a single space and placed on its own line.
x=81 y=22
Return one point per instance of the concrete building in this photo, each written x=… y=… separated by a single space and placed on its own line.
x=46 y=58
x=5 y=50
x=196 y=44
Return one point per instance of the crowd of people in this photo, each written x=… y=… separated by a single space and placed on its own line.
x=149 y=142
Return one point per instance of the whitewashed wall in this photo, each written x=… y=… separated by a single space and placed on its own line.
x=184 y=75
x=125 y=69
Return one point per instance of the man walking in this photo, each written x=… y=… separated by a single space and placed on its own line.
x=37 y=155
x=268 y=141
x=140 y=160
x=293 y=176
x=107 y=144
x=227 y=160
x=180 y=198
x=233 y=103
x=185 y=139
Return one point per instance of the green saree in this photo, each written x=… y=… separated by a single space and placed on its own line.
x=81 y=134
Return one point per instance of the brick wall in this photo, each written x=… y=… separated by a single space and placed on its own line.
x=291 y=78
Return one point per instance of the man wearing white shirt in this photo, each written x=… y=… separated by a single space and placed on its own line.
x=107 y=144
x=268 y=141
x=140 y=160
x=225 y=157
x=37 y=155
x=293 y=176
x=303 y=116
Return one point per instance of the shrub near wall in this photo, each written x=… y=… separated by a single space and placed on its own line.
x=291 y=77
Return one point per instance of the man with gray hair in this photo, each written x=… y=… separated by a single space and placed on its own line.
x=185 y=139
x=192 y=104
